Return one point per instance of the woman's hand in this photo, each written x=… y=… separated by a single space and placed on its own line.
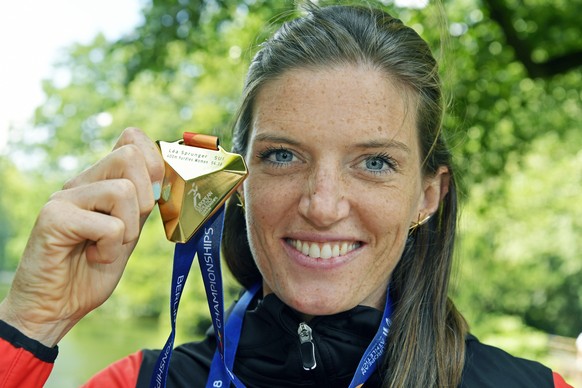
x=82 y=240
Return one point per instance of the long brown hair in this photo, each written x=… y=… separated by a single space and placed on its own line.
x=426 y=342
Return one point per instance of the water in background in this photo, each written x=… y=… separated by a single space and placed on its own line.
x=99 y=340
x=96 y=342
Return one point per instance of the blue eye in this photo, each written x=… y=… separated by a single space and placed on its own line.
x=282 y=156
x=375 y=164
x=277 y=156
x=379 y=164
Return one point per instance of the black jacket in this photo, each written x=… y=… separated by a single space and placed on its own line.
x=269 y=355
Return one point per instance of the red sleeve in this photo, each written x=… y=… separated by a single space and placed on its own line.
x=559 y=382
x=20 y=368
x=122 y=373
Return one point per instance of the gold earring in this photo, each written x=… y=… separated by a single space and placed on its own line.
x=419 y=222
x=241 y=201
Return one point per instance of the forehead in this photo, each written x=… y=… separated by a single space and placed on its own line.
x=349 y=100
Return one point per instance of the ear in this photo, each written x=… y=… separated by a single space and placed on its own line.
x=435 y=188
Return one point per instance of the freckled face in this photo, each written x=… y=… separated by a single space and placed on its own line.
x=334 y=184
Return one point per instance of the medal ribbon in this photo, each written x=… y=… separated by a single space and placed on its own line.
x=206 y=243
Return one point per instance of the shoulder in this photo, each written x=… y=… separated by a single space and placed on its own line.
x=488 y=366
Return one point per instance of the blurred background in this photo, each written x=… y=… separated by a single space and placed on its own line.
x=75 y=73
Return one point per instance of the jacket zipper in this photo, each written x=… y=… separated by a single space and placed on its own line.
x=307 y=347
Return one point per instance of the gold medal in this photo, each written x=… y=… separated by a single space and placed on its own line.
x=200 y=176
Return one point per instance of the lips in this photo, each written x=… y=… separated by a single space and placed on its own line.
x=325 y=250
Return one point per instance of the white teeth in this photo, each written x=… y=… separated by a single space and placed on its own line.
x=314 y=250
x=323 y=250
x=305 y=248
x=344 y=249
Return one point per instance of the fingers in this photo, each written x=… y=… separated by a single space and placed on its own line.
x=74 y=258
x=115 y=198
x=123 y=163
x=101 y=235
x=105 y=243
x=136 y=158
x=118 y=190
x=152 y=157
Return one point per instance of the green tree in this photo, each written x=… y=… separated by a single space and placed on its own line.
x=527 y=250
x=23 y=195
x=511 y=67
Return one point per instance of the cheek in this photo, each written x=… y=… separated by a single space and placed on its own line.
x=267 y=209
x=385 y=212
x=267 y=206
x=386 y=216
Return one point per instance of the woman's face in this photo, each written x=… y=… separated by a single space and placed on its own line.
x=334 y=184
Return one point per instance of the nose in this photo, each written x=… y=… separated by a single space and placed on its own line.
x=325 y=201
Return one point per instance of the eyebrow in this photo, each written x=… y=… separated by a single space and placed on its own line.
x=383 y=144
x=276 y=139
x=379 y=144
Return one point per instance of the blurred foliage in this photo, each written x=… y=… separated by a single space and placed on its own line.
x=526 y=239
x=512 y=335
x=515 y=135
x=22 y=196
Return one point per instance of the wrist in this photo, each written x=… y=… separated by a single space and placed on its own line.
x=48 y=333
x=19 y=340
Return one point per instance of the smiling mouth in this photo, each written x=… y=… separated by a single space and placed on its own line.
x=325 y=250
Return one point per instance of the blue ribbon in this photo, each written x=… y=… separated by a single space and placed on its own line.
x=206 y=243
x=374 y=353
x=222 y=364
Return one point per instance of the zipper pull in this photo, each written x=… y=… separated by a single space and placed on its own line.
x=307 y=347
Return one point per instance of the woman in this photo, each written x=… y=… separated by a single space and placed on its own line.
x=349 y=211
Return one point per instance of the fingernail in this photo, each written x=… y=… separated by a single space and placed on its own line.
x=157 y=188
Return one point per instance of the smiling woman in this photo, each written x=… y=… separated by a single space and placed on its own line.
x=327 y=188
x=355 y=111
x=342 y=234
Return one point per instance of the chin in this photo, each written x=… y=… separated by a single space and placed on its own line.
x=318 y=306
